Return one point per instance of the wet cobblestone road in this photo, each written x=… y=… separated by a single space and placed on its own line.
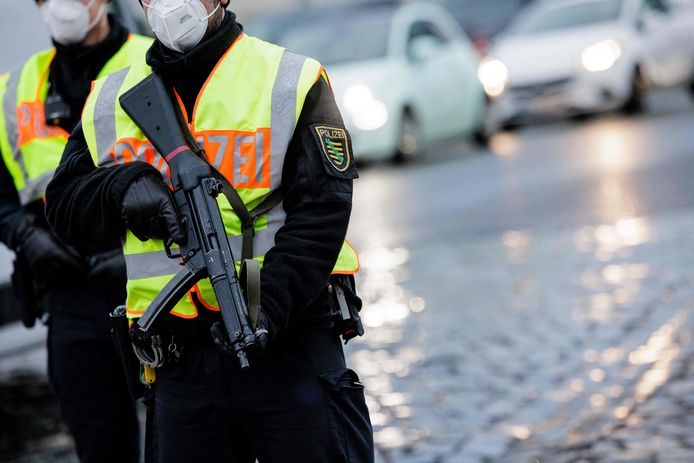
x=540 y=307
x=556 y=347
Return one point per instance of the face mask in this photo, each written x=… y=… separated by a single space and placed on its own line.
x=178 y=24
x=68 y=20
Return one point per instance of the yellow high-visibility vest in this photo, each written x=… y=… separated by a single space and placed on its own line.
x=244 y=117
x=31 y=148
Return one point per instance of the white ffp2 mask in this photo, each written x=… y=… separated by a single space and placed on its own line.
x=67 y=21
x=178 y=24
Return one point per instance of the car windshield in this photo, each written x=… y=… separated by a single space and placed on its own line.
x=331 y=38
x=548 y=19
x=484 y=17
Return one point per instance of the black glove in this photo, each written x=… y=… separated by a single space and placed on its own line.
x=52 y=263
x=149 y=211
x=262 y=333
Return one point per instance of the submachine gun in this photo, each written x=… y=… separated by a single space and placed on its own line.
x=206 y=252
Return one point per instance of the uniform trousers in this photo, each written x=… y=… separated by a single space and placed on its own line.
x=86 y=375
x=300 y=403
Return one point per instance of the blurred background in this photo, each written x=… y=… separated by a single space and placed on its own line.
x=524 y=218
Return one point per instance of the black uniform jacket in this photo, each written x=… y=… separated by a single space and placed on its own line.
x=72 y=71
x=84 y=203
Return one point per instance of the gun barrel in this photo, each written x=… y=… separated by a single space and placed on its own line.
x=243 y=360
x=222 y=269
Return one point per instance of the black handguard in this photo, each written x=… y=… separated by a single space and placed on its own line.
x=206 y=252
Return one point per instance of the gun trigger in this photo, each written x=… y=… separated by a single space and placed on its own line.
x=169 y=252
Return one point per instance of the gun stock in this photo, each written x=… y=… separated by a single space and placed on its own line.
x=151 y=108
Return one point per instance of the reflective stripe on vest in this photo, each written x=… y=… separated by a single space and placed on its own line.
x=245 y=117
x=32 y=149
x=105 y=108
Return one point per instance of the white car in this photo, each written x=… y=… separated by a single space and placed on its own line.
x=579 y=56
x=403 y=75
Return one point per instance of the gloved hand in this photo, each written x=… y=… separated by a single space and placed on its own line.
x=149 y=211
x=262 y=333
x=52 y=263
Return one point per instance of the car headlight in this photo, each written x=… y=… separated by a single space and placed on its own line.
x=494 y=76
x=367 y=113
x=601 y=56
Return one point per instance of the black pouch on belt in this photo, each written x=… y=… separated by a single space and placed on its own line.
x=120 y=333
x=345 y=306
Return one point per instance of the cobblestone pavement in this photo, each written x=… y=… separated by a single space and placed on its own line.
x=555 y=346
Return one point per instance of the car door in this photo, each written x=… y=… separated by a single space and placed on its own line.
x=435 y=90
x=464 y=91
x=666 y=58
x=682 y=13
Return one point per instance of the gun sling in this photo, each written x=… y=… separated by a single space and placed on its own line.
x=250 y=268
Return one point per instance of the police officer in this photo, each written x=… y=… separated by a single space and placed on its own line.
x=41 y=104
x=268 y=121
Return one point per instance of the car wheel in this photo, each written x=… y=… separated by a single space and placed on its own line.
x=634 y=104
x=409 y=145
x=582 y=116
x=487 y=128
x=513 y=125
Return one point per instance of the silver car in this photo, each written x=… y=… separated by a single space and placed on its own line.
x=404 y=75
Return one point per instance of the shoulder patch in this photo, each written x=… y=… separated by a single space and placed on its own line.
x=336 y=148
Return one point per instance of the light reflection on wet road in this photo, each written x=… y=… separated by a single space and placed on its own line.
x=534 y=303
